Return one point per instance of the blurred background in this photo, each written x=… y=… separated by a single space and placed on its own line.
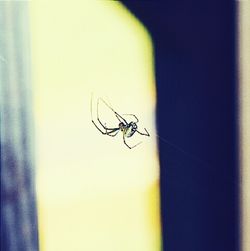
x=181 y=68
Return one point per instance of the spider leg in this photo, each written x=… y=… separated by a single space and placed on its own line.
x=145 y=134
x=98 y=128
x=137 y=120
x=116 y=132
x=104 y=127
x=130 y=147
x=118 y=116
x=98 y=119
x=91 y=111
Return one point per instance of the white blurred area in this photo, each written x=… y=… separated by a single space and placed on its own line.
x=93 y=192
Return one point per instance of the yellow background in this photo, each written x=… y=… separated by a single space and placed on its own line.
x=93 y=192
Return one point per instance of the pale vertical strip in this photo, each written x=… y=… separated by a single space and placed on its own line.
x=18 y=214
x=244 y=76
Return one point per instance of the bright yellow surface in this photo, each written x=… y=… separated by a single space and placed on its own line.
x=93 y=193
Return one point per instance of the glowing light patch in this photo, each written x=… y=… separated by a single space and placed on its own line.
x=93 y=192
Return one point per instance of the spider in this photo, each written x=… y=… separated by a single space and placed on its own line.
x=128 y=129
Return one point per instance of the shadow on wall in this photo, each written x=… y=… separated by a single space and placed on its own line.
x=194 y=49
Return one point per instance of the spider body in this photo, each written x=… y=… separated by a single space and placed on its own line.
x=128 y=129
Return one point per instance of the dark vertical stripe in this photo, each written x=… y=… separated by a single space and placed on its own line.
x=194 y=48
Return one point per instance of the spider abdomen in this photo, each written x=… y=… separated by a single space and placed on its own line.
x=129 y=131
